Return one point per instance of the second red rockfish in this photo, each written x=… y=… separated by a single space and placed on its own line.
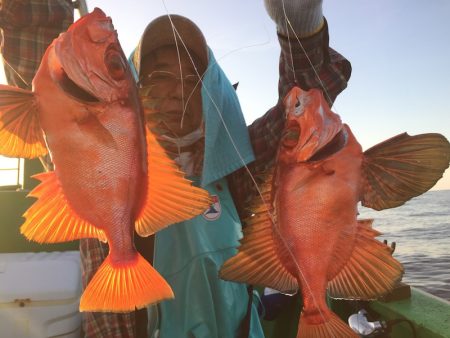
x=306 y=236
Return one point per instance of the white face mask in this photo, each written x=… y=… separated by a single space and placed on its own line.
x=187 y=139
x=186 y=163
x=185 y=159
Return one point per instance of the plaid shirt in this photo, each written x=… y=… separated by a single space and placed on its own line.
x=99 y=324
x=334 y=71
x=28 y=27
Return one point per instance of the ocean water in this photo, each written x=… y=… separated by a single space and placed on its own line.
x=421 y=230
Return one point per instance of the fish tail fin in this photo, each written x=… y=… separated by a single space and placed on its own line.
x=312 y=326
x=124 y=287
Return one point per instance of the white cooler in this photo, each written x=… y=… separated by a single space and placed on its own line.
x=39 y=295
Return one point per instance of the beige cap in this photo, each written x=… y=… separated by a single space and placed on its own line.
x=159 y=33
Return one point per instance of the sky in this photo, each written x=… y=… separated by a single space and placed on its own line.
x=399 y=52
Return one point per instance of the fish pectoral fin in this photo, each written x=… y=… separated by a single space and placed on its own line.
x=170 y=197
x=401 y=168
x=51 y=219
x=124 y=287
x=258 y=260
x=20 y=132
x=370 y=272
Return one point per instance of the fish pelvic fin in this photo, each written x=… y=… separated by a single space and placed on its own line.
x=170 y=197
x=124 y=287
x=313 y=326
x=259 y=260
x=51 y=219
x=20 y=131
x=370 y=272
x=401 y=168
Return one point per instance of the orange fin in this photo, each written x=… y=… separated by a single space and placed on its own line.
x=403 y=167
x=170 y=197
x=124 y=287
x=370 y=272
x=258 y=260
x=20 y=132
x=332 y=327
x=51 y=219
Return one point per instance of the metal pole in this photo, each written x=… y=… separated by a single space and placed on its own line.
x=81 y=5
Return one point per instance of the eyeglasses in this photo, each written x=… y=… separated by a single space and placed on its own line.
x=159 y=77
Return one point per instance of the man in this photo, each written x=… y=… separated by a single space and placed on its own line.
x=193 y=108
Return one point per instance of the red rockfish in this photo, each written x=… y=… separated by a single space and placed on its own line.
x=306 y=235
x=110 y=175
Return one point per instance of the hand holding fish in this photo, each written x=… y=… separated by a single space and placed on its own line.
x=306 y=235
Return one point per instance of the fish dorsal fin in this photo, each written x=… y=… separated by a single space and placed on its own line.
x=170 y=197
x=401 y=168
x=258 y=259
x=370 y=272
x=20 y=132
x=51 y=219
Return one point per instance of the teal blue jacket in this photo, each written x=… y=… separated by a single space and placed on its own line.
x=189 y=254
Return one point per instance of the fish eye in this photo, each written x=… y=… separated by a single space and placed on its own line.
x=298 y=108
x=115 y=64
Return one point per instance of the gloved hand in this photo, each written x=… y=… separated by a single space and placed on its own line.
x=305 y=16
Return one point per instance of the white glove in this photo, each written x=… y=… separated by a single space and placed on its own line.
x=305 y=16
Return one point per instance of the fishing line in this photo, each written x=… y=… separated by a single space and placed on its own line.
x=271 y=216
x=325 y=91
x=16 y=72
x=175 y=33
x=304 y=52
x=286 y=20
x=258 y=44
x=274 y=225
x=216 y=62
x=213 y=102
